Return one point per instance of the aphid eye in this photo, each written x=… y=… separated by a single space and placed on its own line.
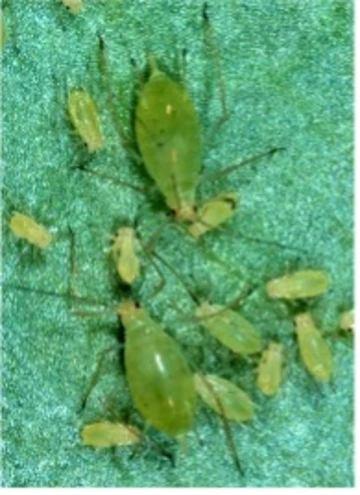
x=85 y=118
x=26 y=228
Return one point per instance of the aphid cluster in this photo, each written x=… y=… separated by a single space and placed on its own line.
x=162 y=384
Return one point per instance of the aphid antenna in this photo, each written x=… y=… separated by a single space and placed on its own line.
x=235 y=303
x=107 y=83
x=101 y=307
x=245 y=161
x=141 y=190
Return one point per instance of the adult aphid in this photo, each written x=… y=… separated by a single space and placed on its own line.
x=26 y=228
x=270 y=369
x=314 y=351
x=85 y=118
x=159 y=379
x=105 y=434
x=225 y=398
x=168 y=135
x=230 y=328
x=299 y=285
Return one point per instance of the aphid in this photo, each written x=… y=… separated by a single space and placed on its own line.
x=168 y=135
x=314 y=351
x=299 y=285
x=85 y=118
x=347 y=320
x=26 y=228
x=159 y=379
x=270 y=369
x=74 y=6
x=123 y=250
x=230 y=328
x=105 y=434
x=225 y=398
x=213 y=213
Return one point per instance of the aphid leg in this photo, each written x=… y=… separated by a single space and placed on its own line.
x=94 y=377
x=246 y=161
x=162 y=281
x=178 y=276
x=227 y=429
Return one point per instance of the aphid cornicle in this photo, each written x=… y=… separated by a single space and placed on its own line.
x=230 y=328
x=123 y=250
x=270 y=369
x=314 y=351
x=26 y=228
x=224 y=397
x=105 y=434
x=299 y=285
x=159 y=379
x=85 y=118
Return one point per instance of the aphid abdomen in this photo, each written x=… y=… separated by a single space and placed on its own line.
x=168 y=135
x=314 y=350
x=230 y=328
x=158 y=376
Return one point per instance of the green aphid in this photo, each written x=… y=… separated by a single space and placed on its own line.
x=230 y=328
x=85 y=118
x=270 y=369
x=168 y=135
x=213 y=213
x=105 y=434
x=225 y=398
x=299 y=285
x=159 y=379
x=314 y=351
x=123 y=250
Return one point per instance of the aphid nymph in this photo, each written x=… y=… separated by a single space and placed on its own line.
x=26 y=228
x=314 y=351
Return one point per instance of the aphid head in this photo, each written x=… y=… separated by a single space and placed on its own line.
x=185 y=213
x=126 y=309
